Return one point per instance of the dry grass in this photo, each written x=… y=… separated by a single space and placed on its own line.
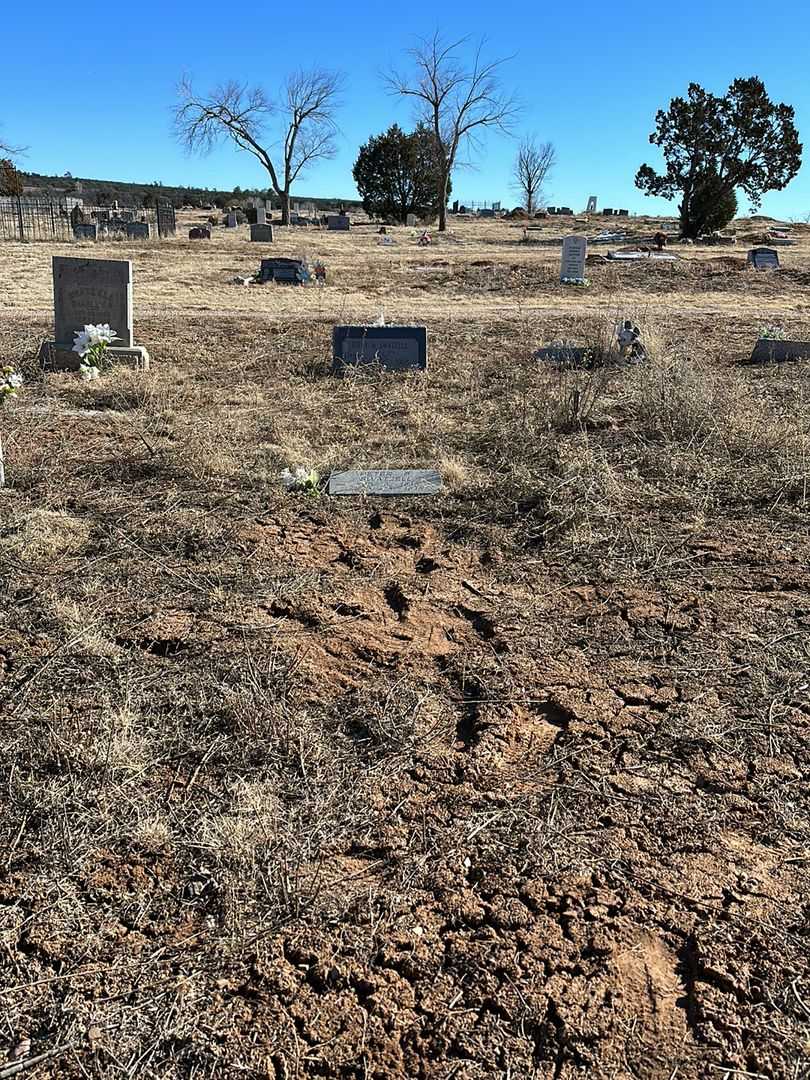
x=510 y=782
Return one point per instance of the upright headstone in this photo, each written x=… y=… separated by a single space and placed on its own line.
x=261 y=215
x=199 y=232
x=591 y=207
x=394 y=348
x=139 y=230
x=85 y=232
x=338 y=223
x=410 y=220
x=572 y=262
x=261 y=234
x=91 y=291
x=763 y=258
x=230 y=221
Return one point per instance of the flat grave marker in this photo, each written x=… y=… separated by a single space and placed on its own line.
x=775 y=350
x=394 y=348
x=385 y=482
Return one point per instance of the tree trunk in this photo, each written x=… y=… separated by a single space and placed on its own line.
x=285 y=207
x=443 y=202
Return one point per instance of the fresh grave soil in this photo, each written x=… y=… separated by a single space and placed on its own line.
x=510 y=782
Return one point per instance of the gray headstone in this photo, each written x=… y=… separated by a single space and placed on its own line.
x=338 y=223
x=572 y=261
x=85 y=232
x=591 y=207
x=410 y=220
x=762 y=258
x=394 y=348
x=385 y=482
x=230 y=221
x=261 y=215
x=139 y=230
x=261 y=233
x=92 y=291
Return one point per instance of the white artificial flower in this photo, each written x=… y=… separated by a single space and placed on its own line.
x=287 y=478
x=14 y=380
x=88 y=373
x=82 y=342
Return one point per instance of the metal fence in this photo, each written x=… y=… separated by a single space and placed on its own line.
x=29 y=219
x=34 y=219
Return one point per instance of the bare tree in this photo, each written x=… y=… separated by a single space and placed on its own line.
x=300 y=123
x=533 y=163
x=456 y=100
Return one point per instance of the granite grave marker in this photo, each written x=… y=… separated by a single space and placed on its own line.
x=394 y=348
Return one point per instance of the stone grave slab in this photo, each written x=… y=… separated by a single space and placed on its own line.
x=230 y=221
x=572 y=260
x=772 y=350
x=261 y=215
x=410 y=221
x=338 y=223
x=139 y=230
x=763 y=258
x=91 y=291
x=385 y=482
x=285 y=271
x=394 y=348
x=261 y=233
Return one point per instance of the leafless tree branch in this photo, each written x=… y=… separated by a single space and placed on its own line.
x=533 y=163
x=455 y=99
x=301 y=119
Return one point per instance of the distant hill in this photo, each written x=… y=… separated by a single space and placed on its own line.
x=105 y=192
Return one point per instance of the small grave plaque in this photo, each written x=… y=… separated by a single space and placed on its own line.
x=262 y=234
x=572 y=262
x=385 y=482
x=763 y=258
x=394 y=348
x=338 y=223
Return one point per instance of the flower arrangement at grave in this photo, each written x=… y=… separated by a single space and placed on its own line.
x=10 y=382
x=773 y=332
x=319 y=270
x=301 y=479
x=92 y=344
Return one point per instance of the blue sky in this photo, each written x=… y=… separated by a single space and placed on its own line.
x=92 y=94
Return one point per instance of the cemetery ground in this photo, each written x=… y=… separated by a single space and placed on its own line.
x=506 y=782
